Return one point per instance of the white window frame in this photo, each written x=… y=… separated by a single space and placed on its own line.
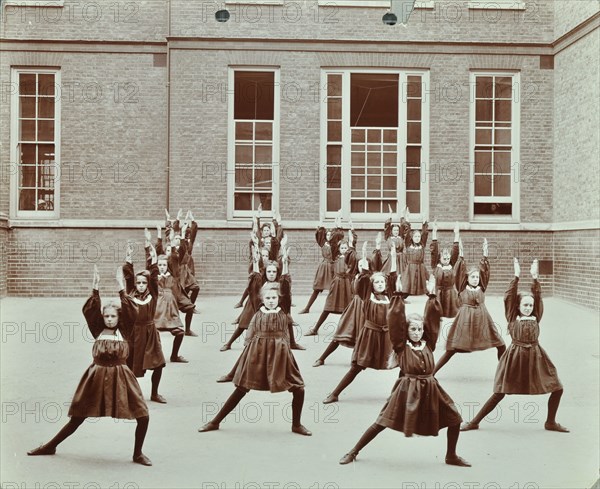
x=497 y=5
x=516 y=164
x=402 y=138
x=14 y=143
x=233 y=214
x=371 y=3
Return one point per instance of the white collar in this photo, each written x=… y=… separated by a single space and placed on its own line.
x=378 y=301
x=113 y=337
x=526 y=318
x=418 y=347
x=468 y=287
x=270 y=311
x=142 y=302
x=444 y=267
x=167 y=274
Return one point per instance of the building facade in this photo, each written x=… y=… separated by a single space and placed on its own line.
x=485 y=113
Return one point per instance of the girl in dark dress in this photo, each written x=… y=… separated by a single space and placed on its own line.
x=525 y=367
x=417 y=404
x=108 y=387
x=395 y=236
x=267 y=362
x=473 y=328
x=145 y=349
x=442 y=268
x=414 y=273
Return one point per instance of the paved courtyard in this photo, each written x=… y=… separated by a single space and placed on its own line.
x=46 y=348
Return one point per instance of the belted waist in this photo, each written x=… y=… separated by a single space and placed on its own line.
x=445 y=287
x=419 y=376
x=108 y=363
x=269 y=334
x=342 y=275
x=471 y=305
x=524 y=344
x=375 y=327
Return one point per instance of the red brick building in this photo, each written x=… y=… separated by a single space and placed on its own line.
x=482 y=112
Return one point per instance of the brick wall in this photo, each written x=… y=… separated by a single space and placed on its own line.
x=3 y=256
x=566 y=17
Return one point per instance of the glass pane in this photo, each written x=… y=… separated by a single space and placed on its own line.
x=358 y=159
x=502 y=136
x=46 y=84
x=413 y=201
x=413 y=179
x=413 y=88
x=413 y=156
x=484 y=87
x=262 y=178
x=334 y=177
x=334 y=200
x=262 y=199
x=483 y=185
x=45 y=154
x=483 y=136
x=243 y=178
x=503 y=110
x=27 y=176
x=390 y=160
x=264 y=154
x=493 y=208
x=390 y=136
x=390 y=170
x=27 y=84
x=483 y=110
x=414 y=110
x=373 y=100
x=389 y=183
x=46 y=107
x=504 y=87
x=27 y=107
x=254 y=95
x=374 y=183
x=374 y=159
x=358 y=183
x=373 y=136
x=334 y=85
x=243 y=130
x=264 y=131
x=45 y=200
x=243 y=202
x=414 y=132
x=27 y=130
x=243 y=153
x=334 y=131
x=46 y=176
x=502 y=162
x=373 y=206
x=483 y=161
x=28 y=154
x=357 y=206
x=390 y=148
x=334 y=108
x=27 y=200
x=334 y=155
x=502 y=186
x=45 y=130
x=358 y=136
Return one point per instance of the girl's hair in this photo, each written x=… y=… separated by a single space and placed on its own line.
x=445 y=251
x=268 y=286
x=272 y=263
x=144 y=273
x=414 y=318
x=112 y=305
x=161 y=257
x=472 y=269
x=376 y=274
x=344 y=241
x=395 y=226
x=265 y=225
x=520 y=296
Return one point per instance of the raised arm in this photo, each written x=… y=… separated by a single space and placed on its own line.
x=511 y=306
x=128 y=272
x=434 y=247
x=484 y=267
x=129 y=309
x=396 y=321
x=92 y=308
x=431 y=316
x=536 y=291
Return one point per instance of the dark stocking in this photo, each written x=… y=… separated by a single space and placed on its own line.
x=140 y=434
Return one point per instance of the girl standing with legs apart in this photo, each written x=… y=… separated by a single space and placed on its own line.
x=108 y=387
x=267 y=362
x=417 y=404
x=473 y=328
x=525 y=368
x=145 y=346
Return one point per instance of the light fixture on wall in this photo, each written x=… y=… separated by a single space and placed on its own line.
x=222 y=15
x=400 y=11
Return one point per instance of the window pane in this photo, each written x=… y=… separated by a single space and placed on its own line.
x=374 y=183
x=243 y=202
x=28 y=154
x=503 y=110
x=502 y=136
x=45 y=154
x=243 y=153
x=27 y=107
x=45 y=130
x=494 y=208
x=254 y=95
x=414 y=132
x=334 y=200
x=264 y=131
x=27 y=84
x=414 y=110
x=413 y=88
x=483 y=136
x=483 y=110
x=46 y=176
x=243 y=178
x=374 y=136
x=334 y=177
x=334 y=85
x=413 y=179
x=358 y=136
x=501 y=162
x=484 y=87
x=46 y=107
x=27 y=200
x=483 y=161
x=263 y=178
x=334 y=108
x=358 y=160
x=374 y=159
x=389 y=183
x=483 y=185
x=357 y=206
x=27 y=130
x=390 y=136
x=243 y=131
x=502 y=186
x=334 y=154
x=373 y=100
x=413 y=201
x=358 y=183
x=264 y=154
x=504 y=87
x=27 y=176
x=390 y=160
x=46 y=84
x=413 y=157
x=373 y=206
x=334 y=131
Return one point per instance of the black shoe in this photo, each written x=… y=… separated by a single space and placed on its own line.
x=301 y=430
x=142 y=460
x=349 y=457
x=42 y=450
x=296 y=346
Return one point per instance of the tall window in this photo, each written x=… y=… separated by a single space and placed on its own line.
x=374 y=142
x=35 y=138
x=495 y=149
x=253 y=140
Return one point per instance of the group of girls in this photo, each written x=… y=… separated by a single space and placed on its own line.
x=370 y=295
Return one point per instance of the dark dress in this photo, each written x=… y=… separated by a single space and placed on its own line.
x=145 y=349
x=108 y=387
x=525 y=367
x=344 y=268
x=414 y=272
x=473 y=328
x=444 y=279
x=417 y=404
x=397 y=242
x=324 y=273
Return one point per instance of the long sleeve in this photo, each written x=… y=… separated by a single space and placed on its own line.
x=387 y=229
x=484 y=273
x=251 y=330
x=396 y=321
x=362 y=285
x=460 y=277
x=193 y=232
x=159 y=247
x=511 y=308
x=128 y=315
x=431 y=321
x=435 y=253
x=285 y=293
x=391 y=283
x=351 y=261
x=454 y=253
x=321 y=236
x=129 y=277
x=538 y=303
x=424 y=233
x=254 y=286
x=93 y=314
x=376 y=261
x=153 y=280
